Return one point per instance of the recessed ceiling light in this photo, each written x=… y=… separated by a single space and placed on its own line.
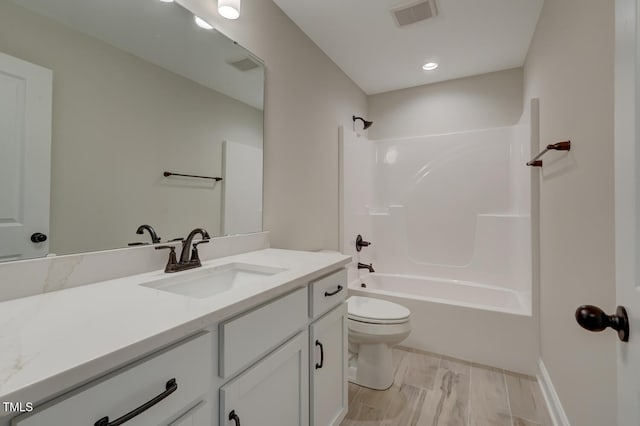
x=166 y=1
x=202 y=23
x=430 y=66
x=229 y=9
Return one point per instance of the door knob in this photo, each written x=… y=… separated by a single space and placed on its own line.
x=38 y=237
x=593 y=318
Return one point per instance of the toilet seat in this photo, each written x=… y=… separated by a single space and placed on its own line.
x=381 y=330
x=375 y=311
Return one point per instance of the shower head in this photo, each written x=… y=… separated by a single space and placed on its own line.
x=366 y=123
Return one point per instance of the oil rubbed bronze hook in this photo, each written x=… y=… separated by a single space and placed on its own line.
x=560 y=146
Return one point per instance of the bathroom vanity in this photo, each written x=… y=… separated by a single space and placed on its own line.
x=88 y=336
x=264 y=344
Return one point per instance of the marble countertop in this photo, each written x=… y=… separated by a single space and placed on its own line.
x=52 y=342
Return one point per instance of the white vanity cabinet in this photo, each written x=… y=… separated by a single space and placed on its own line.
x=272 y=392
x=198 y=415
x=328 y=367
x=247 y=337
x=328 y=349
x=327 y=292
x=168 y=385
x=282 y=363
x=272 y=389
x=303 y=381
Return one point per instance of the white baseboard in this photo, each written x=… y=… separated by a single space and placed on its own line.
x=558 y=416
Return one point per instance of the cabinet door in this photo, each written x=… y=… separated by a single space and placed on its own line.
x=329 y=402
x=273 y=392
x=200 y=415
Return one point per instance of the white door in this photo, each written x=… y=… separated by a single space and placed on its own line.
x=25 y=158
x=328 y=368
x=627 y=177
x=274 y=392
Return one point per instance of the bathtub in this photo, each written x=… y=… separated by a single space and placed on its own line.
x=441 y=290
x=471 y=321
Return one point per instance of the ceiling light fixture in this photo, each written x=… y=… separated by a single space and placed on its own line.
x=166 y=1
x=430 y=66
x=202 y=23
x=229 y=9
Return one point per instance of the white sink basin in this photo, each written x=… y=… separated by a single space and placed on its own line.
x=205 y=283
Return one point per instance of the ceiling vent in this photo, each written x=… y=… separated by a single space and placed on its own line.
x=414 y=12
x=245 y=64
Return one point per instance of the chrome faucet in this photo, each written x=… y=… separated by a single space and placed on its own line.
x=365 y=266
x=186 y=262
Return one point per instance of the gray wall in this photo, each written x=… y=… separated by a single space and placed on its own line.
x=570 y=68
x=478 y=102
x=307 y=97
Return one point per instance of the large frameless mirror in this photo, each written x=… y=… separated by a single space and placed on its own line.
x=116 y=114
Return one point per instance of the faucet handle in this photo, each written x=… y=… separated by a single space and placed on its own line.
x=176 y=239
x=360 y=242
x=173 y=261
x=195 y=258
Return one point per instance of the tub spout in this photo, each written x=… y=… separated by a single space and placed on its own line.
x=365 y=266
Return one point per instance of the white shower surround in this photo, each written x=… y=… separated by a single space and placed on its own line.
x=449 y=220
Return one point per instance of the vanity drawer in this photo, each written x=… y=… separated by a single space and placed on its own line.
x=328 y=292
x=129 y=388
x=244 y=339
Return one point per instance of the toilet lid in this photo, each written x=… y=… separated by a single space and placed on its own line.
x=376 y=311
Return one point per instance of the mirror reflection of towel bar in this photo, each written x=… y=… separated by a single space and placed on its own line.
x=167 y=174
x=560 y=146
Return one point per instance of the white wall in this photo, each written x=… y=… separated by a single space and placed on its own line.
x=570 y=68
x=118 y=123
x=479 y=102
x=306 y=98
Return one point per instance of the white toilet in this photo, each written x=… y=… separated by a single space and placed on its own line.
x=375 y=326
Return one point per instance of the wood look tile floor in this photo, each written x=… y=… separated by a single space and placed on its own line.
x=433 y=390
